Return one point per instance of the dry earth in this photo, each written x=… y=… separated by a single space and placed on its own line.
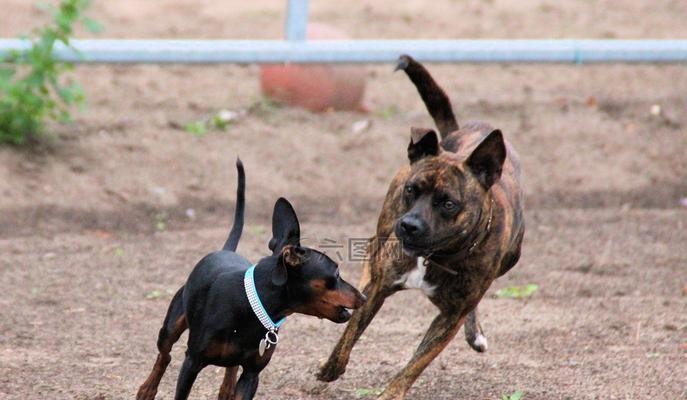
x=95 y=232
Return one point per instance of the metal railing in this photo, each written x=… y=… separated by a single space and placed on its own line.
x=296 y=49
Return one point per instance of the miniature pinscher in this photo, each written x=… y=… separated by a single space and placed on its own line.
x=229 y=305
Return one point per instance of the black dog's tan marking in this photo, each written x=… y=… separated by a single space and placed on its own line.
x=458 y=206
x=223 y=329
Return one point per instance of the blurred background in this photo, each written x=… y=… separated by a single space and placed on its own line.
x=102 y=219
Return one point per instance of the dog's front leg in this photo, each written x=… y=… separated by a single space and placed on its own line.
x=247 y=385
x=438 y=336
x=336 y=364
x=226 y=391
x=189 y=371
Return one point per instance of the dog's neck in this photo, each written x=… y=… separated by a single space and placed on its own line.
x=274 y=298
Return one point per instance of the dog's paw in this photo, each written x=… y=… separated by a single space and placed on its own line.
x=146 y=393
x=329 y=374
x=479 y=343
x=393 y=392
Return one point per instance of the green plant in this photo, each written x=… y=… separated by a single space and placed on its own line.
x=220 y=120
x=32 y=86
x=517 y=292
x=196 y=128
x=157 y=293
x=154 y=294
x=515 y=396
x=257 y=230
x=161 y=221
x=387 y=112
x=367 y=392
x=264 y=107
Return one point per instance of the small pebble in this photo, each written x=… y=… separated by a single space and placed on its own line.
x=227 y=116
x=361 y=126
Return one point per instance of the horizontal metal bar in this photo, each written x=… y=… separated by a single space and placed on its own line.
x=364 y=51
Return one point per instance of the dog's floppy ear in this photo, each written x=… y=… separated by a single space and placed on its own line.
x=285 y=227
x=423 y=142
x=291 y=256
x=486 y=161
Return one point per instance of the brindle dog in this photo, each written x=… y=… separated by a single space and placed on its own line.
x=451 y=223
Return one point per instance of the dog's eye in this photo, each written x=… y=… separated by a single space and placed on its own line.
x=410 y=189
x=330 y=283
x=449 y=205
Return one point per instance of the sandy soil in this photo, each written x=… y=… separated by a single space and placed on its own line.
x=95 y=232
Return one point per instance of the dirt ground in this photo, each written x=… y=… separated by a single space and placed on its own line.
x=104 y=220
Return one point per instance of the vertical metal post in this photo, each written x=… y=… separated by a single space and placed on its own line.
x=297 y=20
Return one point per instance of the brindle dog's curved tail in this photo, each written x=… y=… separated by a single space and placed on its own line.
x=434 y=97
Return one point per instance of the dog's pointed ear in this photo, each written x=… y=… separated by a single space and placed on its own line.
x=291 y=256
x=423 y=143
x=486 y=161
x=285 y=227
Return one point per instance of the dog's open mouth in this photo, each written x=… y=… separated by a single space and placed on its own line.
x=418 y=249
x=344 y=314
x=414 y=250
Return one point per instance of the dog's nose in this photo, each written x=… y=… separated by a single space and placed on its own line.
x=411 y=226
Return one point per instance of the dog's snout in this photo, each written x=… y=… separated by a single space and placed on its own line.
x=411 y=225
x=355 y=298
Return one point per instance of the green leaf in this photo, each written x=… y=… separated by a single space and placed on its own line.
x=367 y=392
x=257 y=230
x=517 y=292
x=92 y=25
x=154 y=294
x=197 y=128
x=39 y=94
x=220 y=123
x=515 y=396
x=7 y=73
x=388 y=112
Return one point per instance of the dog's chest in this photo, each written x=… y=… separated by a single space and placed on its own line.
x=416 y=278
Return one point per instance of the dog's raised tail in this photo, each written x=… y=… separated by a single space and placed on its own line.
x=436 y=101
x=233 y=240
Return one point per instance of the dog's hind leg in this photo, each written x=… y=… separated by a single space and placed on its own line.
x=438 y=336
x=226 y=391
x=473 y=332
x=175 y=324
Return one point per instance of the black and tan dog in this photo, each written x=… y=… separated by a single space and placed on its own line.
x=228 y=306
x=456 y=214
